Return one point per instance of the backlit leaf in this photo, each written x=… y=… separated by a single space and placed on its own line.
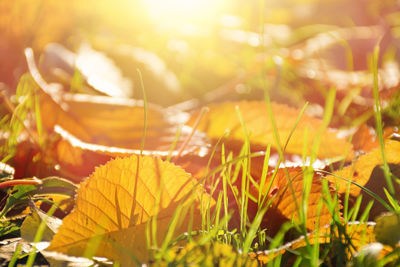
x=115 y=203
x=76 y=159
x=286 y=192
x=223 y=117
x=209 y=254
x=366 y=172
x=359 y=234
x=111 y=121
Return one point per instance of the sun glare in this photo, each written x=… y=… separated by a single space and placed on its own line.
x=173 y=12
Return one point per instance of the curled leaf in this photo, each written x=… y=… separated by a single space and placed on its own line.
x=111 y=121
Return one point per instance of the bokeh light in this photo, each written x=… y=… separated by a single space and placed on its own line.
x=174 y=13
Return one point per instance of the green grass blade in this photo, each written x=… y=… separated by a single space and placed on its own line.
x=378 y=118
x=39 y=235
x=145 y=111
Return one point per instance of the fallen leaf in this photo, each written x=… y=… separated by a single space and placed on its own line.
x=358 y=233
x=76 y=159
x=209 y=254
x=223 y=117
x=366 y=172
x=366 y=140
x=112 y=121
x=115 y=203
x=162 y=85
x=286 y=195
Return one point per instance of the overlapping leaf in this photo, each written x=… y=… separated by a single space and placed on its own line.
x=366 y=172
x=111 y=121
x=287 y=198
x=116 y=202
x=223 y=117
x=356 y=233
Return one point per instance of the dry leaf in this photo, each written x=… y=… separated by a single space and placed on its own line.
x=208 y=254
x=366 y=140
x=97 y=73
x=76 y=159
x=287 y=198
x=255 y=116
x=366 y=171
x=115 y=203
x=111 y=121
x=360 y=234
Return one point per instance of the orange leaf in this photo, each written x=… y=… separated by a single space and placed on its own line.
x=116 y=202
x=256 y=119
x=77 y=159
x=287 y=198
x=366 y=172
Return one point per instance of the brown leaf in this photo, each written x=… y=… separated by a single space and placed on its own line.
x=116 y=202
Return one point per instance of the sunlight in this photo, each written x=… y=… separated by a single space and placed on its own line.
x=176 y=12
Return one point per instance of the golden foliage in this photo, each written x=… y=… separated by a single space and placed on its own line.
x=117 y=201
x=287 y=198
x=222 y=117
x=360 y=170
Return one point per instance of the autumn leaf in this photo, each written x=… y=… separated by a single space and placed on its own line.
x=358 y=233
x=112 y=121
x=209 y=254
x=365 y=139
x=76 y=159
x=117 y=201
x=223 y=117
x=366 y=172
x=286 y=196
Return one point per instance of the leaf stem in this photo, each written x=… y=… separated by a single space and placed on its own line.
x=11 y=183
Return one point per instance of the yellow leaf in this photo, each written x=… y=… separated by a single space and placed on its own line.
x=116 y=202
x=208 y=254
x=359 y=234
x=255 y=116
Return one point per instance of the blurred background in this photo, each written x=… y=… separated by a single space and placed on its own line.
x=193 y=52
